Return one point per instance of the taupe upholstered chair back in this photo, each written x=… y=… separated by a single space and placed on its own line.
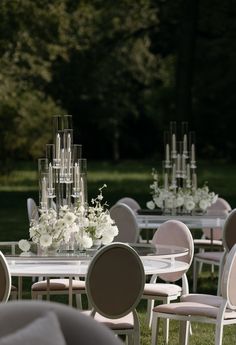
x=76 y=328
x=175 y=233
x=132 y=203
x=229 y=231
x=5 y=279
x=220 y=208
x=115 y=280
x=228 y=281
x=126 y=222
x=32 y=210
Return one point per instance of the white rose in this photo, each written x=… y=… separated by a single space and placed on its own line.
x=45 y=240
x=107 y=239
x=189 y=204
x=69 y=218
x=158 y=202
x=150 y=205
x=179 y=201
x=86 y=242
x=24 y=245
x=203 y=204
x=168 y=203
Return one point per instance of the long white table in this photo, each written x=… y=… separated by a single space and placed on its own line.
x=153 y=221
x=67 y=266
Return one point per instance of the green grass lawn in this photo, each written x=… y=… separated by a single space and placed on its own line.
x=128 y=178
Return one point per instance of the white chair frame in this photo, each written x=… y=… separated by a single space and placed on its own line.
x=227 y=304
x=6 y=278
x=185 y=286
x=132 y=334
x=216 y=258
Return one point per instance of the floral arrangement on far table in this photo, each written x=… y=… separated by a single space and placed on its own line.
x=85 y=227
x=186 y=199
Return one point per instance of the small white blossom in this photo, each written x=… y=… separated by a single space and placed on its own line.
x=203 y=204
x=24 y=245
x=45 y=240
x=69 y=218
x=189 y=204
x=150 y=205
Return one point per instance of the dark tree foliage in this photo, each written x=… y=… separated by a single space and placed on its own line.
x=124 y=72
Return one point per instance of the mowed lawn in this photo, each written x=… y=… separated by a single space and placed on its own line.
x=128 y=178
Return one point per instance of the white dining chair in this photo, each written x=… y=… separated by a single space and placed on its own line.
x=50 y=323
x=171 y=233
x=7 y=290
x=217 y=257
x=126 y=222
x=114 y=284
x=131 y=202
x=58 y=286
x=213 y=236
x=211 y=309
x=5 y=279
x=211 y=239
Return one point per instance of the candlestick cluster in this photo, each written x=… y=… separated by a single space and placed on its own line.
x=63 y=171
x=179 y=166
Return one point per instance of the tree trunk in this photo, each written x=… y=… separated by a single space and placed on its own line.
x=116 y=147
x=185 y=60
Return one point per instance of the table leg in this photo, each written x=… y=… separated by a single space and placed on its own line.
x=48 y=282
x=70 y=291
x=19 y=287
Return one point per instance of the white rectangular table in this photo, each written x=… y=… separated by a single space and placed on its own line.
x=153 y=221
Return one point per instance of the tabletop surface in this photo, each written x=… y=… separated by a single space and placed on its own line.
x=160 y=251
x=156 y=259
x=152 y=219
x=55 y=268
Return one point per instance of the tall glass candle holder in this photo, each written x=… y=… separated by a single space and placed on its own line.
x=67 y=122
x=83 y=182
x=173 y=133
x=76 y=152
x=43 y=182
x=184 y=135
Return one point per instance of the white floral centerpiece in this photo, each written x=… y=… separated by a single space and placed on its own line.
x=185 y=199
x=85 y=227
x=96 y=226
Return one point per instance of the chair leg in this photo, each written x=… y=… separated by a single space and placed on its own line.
x=166 y=330
x=78 y=301
x=150 y=306
x=219 y=333
x=136 y=338
x=200 y=263
x=155 y=329
x=129 y=340
x=184 y=332
x=195 y=275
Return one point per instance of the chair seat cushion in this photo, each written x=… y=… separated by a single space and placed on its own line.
x=162 y=289
x=193 y=308
x=125 y=322
x=212 y=300
x=58 y=284
x=211 y=256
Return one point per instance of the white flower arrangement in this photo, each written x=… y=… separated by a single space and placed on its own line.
x=186 y=198
x=84 y=226
x=97 y=225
